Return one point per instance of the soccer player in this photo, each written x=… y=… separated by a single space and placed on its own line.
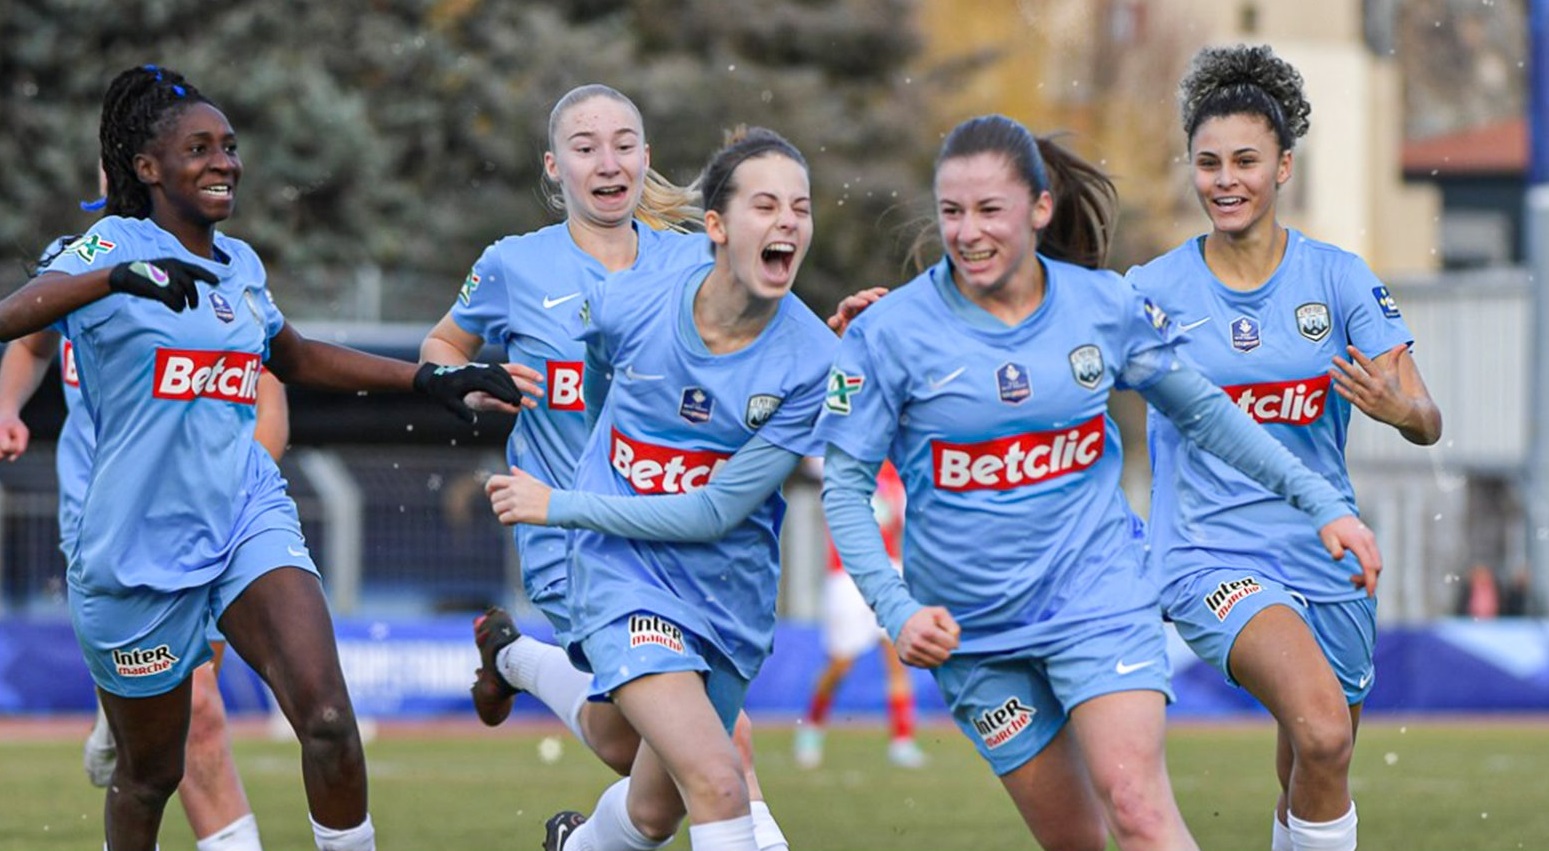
x=1298 y=332
x=211 y=791
x=185 y=518
x=985 y=380
x=717 y=375
x=850 y=629
x=619 y=215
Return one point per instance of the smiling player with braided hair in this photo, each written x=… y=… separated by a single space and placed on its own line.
x=186 y=520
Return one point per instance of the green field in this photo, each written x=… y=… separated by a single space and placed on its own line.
x=1420 y=785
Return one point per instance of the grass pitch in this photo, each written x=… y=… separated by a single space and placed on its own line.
x=1420 y=785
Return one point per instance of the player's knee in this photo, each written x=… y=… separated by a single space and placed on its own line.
x=150 y=781
x=716 y=788
x=1325 y=745
x=658 y=821
x=1139 y=815
x=329 y=725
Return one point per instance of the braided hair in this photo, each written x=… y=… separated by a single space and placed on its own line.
x=140 y=104
x=1245 y=80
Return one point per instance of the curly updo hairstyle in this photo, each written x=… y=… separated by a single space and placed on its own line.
x=1244 y=80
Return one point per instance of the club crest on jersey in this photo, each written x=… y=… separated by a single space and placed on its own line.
x=840 y=388
x=761 y=406
x=1155 y=315
x=143 y=663
x=1228 y=594
x=89 y=246
x=1386 y=301
x=222 y=308
x=1086 y=364
x=1003 y=723
x=1011 y=380
x=470 y=283
x=1312 y=321
x=1245 y=334
x=654 y=629
x=696 y=405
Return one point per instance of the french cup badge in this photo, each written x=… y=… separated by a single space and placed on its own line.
x=222 y=308
x=1245 y=334
x=696 y=405
x=1011 y=379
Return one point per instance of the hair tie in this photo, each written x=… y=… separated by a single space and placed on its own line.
x=93 y=206
x=177 y=89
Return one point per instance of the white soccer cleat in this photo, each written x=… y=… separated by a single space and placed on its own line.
x=101 y=754
x=904 y=753
x=809 y=747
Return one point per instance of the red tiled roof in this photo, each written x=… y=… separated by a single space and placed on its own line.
x=1498 y=148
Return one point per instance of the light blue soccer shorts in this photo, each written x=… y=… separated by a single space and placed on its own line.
x=1012 y=704
x=143 y=642
x=643 y=643
x=1210 y=608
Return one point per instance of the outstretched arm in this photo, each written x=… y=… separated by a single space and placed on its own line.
x=1207 y=417
x=733 y=493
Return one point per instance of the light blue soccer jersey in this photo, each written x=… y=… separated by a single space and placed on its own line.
x=520 y=295
x=673 y=415
x=1015 y=520
x=172 y=398
x=1271 y=349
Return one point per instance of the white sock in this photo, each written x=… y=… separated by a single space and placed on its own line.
x=730 y=835
x=240 y=835
x=1336 y=835
x=361 y=837
x=1280 y=839
x=544 y=671
x=766 y=832
x=609 y=826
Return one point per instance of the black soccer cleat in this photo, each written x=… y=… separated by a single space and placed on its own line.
x=492 y=695
x=559 y=827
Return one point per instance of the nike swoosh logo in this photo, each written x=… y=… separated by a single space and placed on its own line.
x=1121 y=669
x=1192 y=325
x=629 y=373
x=295 y=552
x=551 y=303
x=937 y=384
x=1365 y=678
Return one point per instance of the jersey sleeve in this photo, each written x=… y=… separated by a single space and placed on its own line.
x=861 y=403
x=482 y=306
x=1373 y=322
x=104 y=246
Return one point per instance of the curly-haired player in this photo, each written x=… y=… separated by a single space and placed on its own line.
x=1297 y=332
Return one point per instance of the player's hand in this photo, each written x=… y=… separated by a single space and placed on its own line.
x=852 y=306
x=1348 y=533
x=527 y=380
x=168 y=280
x=929 y=636
x=1373 y=385
x=518 y=498
x=13 y=437
x=449 y=385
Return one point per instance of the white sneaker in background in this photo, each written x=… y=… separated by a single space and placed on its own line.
x=809 y=747
x=904 y=753
x=101 y=754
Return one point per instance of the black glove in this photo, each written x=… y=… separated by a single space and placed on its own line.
x=168 y=280
x=449 y=384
